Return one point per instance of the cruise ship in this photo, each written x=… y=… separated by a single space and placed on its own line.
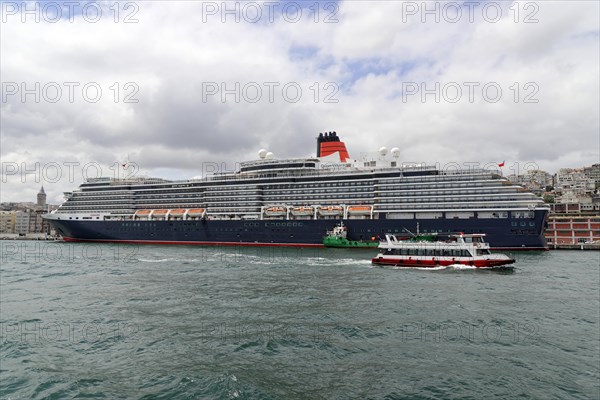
x=294 y=202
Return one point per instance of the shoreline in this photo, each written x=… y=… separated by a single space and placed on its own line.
x=40 y=236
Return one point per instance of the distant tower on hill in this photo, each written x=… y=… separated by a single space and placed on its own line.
x=41 y=198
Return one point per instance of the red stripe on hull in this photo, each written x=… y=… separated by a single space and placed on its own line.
x=68 y=239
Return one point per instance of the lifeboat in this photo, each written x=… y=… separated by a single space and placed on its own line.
x=275 y=211
x=331 y=210
x=143 y=213
x=302 y=211
x=359 y=210
x=159 y=213
x=178 y=212
x=194 y=212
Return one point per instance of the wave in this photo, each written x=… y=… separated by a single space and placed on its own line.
x=438 y=268
x=159 y=260
x=462 y=267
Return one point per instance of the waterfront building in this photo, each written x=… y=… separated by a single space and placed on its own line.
x=573 y=229
x=536 y=181
x=7 y=221
x=593 y=172
x=21 y=222
x=573 y=180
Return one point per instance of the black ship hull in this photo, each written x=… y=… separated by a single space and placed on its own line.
x=501 y=233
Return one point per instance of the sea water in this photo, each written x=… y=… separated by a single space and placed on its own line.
x=183 y=322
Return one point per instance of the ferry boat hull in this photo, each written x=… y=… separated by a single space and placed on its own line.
x=433 y=262
x=506 y=234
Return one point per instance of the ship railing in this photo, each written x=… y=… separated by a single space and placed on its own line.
x=454 y=209
x=343 y=169
x=310 y=172
x=482 y=180
x=232 y=216
x=252 y=163
x=468 y=171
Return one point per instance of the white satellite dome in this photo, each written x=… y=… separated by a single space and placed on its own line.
x=395 y=152
x=269 y=155
x=262 y=153
x=383 y=150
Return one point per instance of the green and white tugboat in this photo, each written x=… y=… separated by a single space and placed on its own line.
x=338 y=238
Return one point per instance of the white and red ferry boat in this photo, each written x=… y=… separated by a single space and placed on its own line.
x=464 y=249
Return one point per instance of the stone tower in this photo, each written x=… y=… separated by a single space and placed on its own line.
x=41 y=198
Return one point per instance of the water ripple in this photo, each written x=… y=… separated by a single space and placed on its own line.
x=192 y=322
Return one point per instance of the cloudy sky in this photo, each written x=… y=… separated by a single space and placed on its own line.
x=178 y=88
